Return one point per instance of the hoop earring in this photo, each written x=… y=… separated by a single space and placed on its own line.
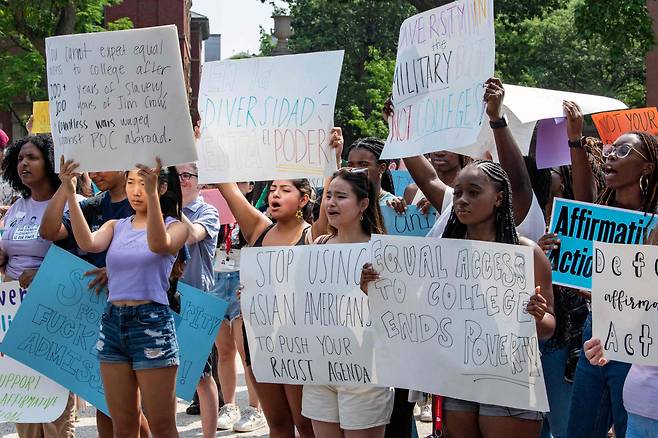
x=299 y=214
x=644 y=184
x=361 y=219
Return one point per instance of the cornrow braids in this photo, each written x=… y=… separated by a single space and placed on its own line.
x=504 y=222
x=376 y=146
x=649 y=195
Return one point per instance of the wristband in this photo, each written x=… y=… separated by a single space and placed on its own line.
x=500 y=123
x=577 y=144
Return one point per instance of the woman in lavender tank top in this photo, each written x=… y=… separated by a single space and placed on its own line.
x=137 y=345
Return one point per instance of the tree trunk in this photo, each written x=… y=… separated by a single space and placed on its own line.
x=66 y=22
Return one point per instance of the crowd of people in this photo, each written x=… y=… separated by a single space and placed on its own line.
x=149 y=228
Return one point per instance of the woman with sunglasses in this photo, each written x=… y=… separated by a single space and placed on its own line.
x=631 y=182
x=353 y=213
x=290 y=207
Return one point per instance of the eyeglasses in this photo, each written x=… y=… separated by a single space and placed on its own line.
x=621 y=151
x=186 y=176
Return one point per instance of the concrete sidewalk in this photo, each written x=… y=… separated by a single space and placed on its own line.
x=188 y=425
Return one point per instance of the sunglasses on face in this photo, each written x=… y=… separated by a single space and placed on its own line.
x=620 y=151
x=186 y=176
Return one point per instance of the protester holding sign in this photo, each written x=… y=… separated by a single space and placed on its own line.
x=230 y=340
x=527 y=211
x=365 y=153
x=202 y=222
x=483 y=211
x=640 y=391
x=111 y=203
x=631 y=179
x=137 y=346
x=28 y=166
x=353 y=213
x=291 y=207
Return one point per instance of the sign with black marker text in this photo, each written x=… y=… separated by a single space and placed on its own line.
x=118 y=99
x=305 y=315
x=457 y=308
x=625 y=303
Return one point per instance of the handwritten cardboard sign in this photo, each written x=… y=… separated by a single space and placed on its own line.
x=411 y=223
x=41 y=117
x=613 y=124
x=119 y=98
x=444 y=57
x=268 y=118
x=305 y=315
x=456 y=309
x=401 y=179
x=57 y=329
x=26 y=396
x=578 y=224
x=625 y=303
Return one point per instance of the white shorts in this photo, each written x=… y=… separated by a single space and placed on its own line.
x=353 y=407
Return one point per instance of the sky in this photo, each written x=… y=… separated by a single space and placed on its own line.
x=237 y=21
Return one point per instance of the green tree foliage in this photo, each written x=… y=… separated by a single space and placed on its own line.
x=591 y=46
x=24 y=26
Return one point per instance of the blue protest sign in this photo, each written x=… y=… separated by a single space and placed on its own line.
x=411 y=223
x=578 y=224
x=401 y=179
x=196 y=328
x=56 y=329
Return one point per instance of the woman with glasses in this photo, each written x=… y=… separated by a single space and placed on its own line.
x=202 y=222
x=631 y=179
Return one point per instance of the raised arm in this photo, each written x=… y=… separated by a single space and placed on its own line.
x=87 y=241
x=319 y=227
x=251 y=221
x=427 y=180
x=161 y=239
x=584 y=186
x=509 y=153
x=51 y=227
x=196 y=232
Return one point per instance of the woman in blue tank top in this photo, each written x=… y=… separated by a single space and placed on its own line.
x=137 y=345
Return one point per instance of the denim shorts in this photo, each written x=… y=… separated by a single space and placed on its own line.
x=226 y=288
x=143 y=336
x=485 y=410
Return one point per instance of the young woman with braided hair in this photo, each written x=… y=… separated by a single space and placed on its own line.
x=631 y=182
x=482 y=210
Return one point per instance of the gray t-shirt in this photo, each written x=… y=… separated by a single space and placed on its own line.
x=199 y=268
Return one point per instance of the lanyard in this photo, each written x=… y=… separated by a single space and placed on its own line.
x=227 y=239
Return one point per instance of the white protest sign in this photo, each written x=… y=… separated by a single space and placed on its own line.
x=457 y=308
x=305 y=316
x=624 y=302
x=268 y=118
x=444 y=57
x=532 y=104
x=118 y=99
x=25 y=395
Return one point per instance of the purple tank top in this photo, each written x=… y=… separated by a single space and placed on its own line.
x=134 y=272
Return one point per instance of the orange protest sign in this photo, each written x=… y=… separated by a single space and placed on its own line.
x=614 y=123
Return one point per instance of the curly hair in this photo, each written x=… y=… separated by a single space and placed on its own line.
x=44 y=143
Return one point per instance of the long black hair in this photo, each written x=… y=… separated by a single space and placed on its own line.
x=43 y=142
x=376 y=146
x=505 y=224
x=372 y=221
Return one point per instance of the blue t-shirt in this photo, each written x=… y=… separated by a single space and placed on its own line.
x=199 y=271
x=97 y=210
